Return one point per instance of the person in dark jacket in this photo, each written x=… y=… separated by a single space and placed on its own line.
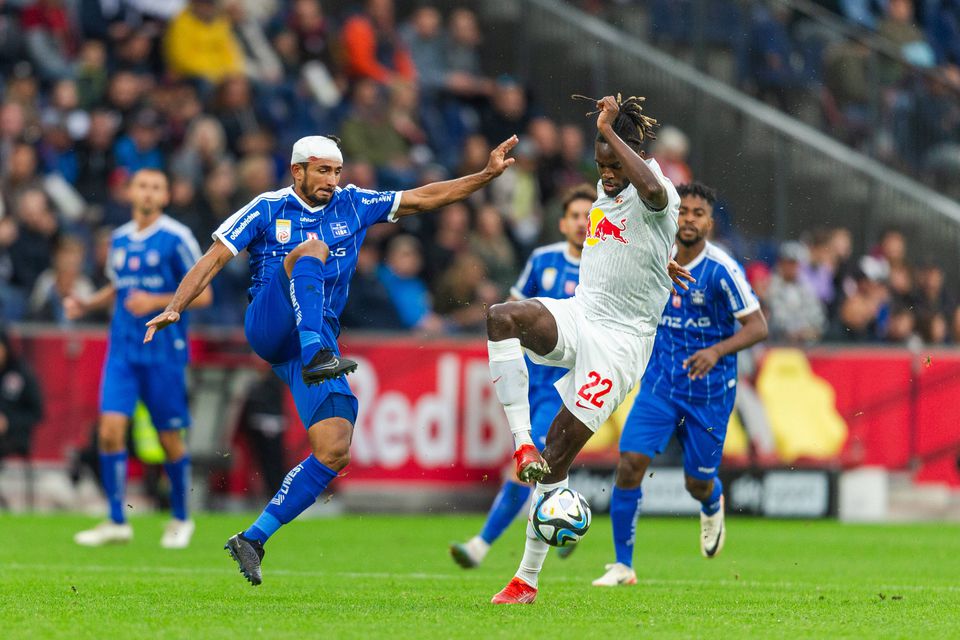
x=21 y=402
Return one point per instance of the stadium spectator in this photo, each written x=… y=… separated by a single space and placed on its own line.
x=670 y=150
x=204 y=146
x=464 y=293
x=775 y=65
x=864 y=314
x=234 y=108
x=899 y=28
x=91 y=73
x=200 y=44
x=935 y=306
x=64 y=278
x=21 y=402
x=517 y=194
x=51 y=38
x=139 y=148
x=369 y=305
x=408 y=292
x=821 y=268
x=509 y=113
x=37 y=237
x=796 y=315
x=368 y=135
x=372 y=47
x=490 y=243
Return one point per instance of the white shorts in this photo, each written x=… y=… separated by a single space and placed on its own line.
x=605 y=364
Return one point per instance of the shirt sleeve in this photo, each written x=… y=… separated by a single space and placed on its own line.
x=109 y=269
x=526 y=286
x=737 y=292
x=240 y=229
x=188 y=252
x=374 y=206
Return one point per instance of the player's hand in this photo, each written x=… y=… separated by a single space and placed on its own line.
x=140 y=303
x=165 y=319
x=678 y=274
x=73 y=308
x=499 y=161
x=609 y=109
x=699 y=364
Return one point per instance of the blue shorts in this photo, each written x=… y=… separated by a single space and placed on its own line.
x=544 y=405
x=701 y=430
x=162 y=387
x=271 y=329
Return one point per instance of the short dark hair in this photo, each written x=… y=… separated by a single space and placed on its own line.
x=580 y=192
x=699 y=190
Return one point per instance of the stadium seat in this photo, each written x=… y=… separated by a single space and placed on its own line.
x=801 y=408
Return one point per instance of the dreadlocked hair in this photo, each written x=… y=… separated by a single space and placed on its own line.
x=631 y=124
x=698 y=190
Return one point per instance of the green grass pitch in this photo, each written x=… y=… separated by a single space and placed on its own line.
x=391 y=577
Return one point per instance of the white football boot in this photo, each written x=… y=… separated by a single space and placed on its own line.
x=177 y=534
x=713 y=532
x=108 y=532
x=617 y=575
x=470 y=553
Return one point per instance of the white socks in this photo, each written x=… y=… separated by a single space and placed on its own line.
x=512 y=382
x=535 y=550
x=477 y=547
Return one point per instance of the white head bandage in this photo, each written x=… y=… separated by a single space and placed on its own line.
x=315 y=148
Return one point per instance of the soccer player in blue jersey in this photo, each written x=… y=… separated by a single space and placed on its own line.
x=690 y=384
x=552 y=271
x=148 y=257
x=303 y=242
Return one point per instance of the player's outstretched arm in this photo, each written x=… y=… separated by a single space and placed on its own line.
x=648 y=185
x=753 y=329
x=193 y=284
x=75 y=308
x=439 y=194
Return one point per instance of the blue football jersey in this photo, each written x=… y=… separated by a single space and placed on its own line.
x=551 y=272
x=695 y=319
x=274 y=223
x=154 y=260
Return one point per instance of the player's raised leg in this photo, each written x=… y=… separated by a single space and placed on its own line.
x=511 y=327
x=304 y=266
x=330 y=442
x=565 y=439
x=112 y=441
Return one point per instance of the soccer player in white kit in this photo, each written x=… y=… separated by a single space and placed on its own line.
x=604 y=334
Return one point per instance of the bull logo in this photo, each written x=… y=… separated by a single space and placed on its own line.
x=602 y=228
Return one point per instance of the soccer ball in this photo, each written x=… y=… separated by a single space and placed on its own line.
x=561 y=517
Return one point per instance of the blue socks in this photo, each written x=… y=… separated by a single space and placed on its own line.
x=307 y=297
x=624 y=510
x=113 y=473
x=712 y=504
x=300 y=489
x=505 y=508
x=179 y=474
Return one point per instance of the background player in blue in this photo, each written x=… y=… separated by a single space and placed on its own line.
x=552 y=271
x=689 y=385
x=303 y=242
x=148 y=257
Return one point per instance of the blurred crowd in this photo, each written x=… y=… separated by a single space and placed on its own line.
x=889 y=84
x=215 y=93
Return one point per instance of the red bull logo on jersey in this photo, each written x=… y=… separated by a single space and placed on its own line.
x=601 y=228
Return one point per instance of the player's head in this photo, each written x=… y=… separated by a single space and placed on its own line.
x=633 y=127
x=148 y=192
x=316 y=164
x=696 y=213
x=575 y=219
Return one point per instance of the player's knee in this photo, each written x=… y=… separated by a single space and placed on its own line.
x=335 y=457
x=630 y=470
x=501 y=323
x=699 y=489
x=111 y=436
x=313 y=248
x=173 y=444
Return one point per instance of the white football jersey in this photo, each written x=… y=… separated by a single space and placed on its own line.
x=623 y=271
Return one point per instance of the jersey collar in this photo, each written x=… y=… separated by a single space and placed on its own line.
x=696 y=261
x=139 y=235
x=308 y=207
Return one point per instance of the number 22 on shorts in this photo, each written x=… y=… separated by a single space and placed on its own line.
x=594 y=389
